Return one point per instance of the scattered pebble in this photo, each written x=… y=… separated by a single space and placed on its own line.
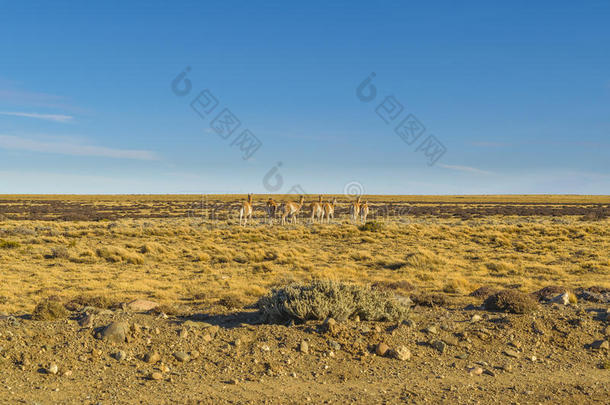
x=304 y=347
x=381 y=349
x=511 y=353
x=152 y=357
x=53 y=369
x=182 y=356
x=120 y=355
x=401 y=353
x=156 y=376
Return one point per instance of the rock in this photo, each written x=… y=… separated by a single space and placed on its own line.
x=116 y=332
x=194 y=354
x=213 y=330
x=330 y=326
x=431 y=330
x=120 y=355
x=475 y=318
x=156 y=376
x=475 y=371
x=462 y=356
x=381 y=349
x=183 y=333
x=401 y=353
x=265 y=348
x=152 y=357
x=86 y=321
x=182 y=357
x=600 y=345
x=304 y=347
x=207 y=338
x=334 y=345
x=439 y=345
x=511 y=353
x=563 y=299
x=53 y=369
x=141 y=305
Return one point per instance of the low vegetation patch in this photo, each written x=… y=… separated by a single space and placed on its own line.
x=49 y=309
x=323 y=299
x=512 y=301
x=372 y=226
x=8 y=244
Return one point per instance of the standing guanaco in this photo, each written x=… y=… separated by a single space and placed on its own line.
x=329 y=210
x=364 y=211
x=354 y=210
x=291 y=209
x=272 y=208
x=245 y=211
x=317 y=210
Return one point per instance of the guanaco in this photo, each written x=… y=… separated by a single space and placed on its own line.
x=329 y=210
x=291 y=209
x=317 y=210
x=354 y=210
x=272 y=208
x=364 y=211
x=245 y=211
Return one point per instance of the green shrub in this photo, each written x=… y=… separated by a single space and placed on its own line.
x=372 y=226
x=323 y=299
x=511 y=301
x=8 y=244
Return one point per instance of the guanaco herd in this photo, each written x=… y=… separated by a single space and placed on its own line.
x=321 y=211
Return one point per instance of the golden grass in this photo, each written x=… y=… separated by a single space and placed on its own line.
x=178 y=261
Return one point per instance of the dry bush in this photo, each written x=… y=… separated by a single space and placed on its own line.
x=512 y=301
x=429 y=300
x=97 y=301
x=115 y=254
x=549 y=292
x=58 y=252
x=456 y=286
x=49 y=309
x=152 y=248
x=483 y=292
x=231 y=302
x=372 y=226
x=424 y=259
x=323 y=299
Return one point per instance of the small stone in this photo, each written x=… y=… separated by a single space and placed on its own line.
x=600 y=345
x=401 y=353
x=120 y=355
x=53 y=369
x=475 y=318
x=334 y=345
x=152 y=357
x=67 y=373
x=330 y=326
x=533 y=358
x=562 y=299
x=156 y=376
x=462 y=356
x=304 y=347
x=489 y=372
x=182 y=357
x=439 y=345
x=183 y=333
x=381 y=349
x=115 y=332
x=141 y=305
x=207 y=338
x=265 y=348
x=86 y=321
x=194 y=354
x=431 y=330
x=357 y=318
x=475 y=371
x=164 y=368
x=511 y=353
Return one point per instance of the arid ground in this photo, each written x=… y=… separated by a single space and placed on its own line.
x=90 y=255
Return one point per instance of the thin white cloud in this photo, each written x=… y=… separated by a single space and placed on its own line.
x=48 y=117
x=467 y=169
x=66 y=148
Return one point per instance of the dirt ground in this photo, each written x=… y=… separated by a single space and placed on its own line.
x=553 y=355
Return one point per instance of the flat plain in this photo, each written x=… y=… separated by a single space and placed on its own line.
x=188 y=254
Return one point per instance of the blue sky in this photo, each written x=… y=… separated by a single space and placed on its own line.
x=517 y=94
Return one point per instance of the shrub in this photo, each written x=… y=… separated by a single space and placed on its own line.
x=8 y=244
x=372 y=226
x=323 y=299
x=549 y=292
x=483 y=292
x=510 y=301
x=60 y=252
x=49 y=309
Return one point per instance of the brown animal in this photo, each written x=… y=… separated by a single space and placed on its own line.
x=354 y=210
x=329 y=210
x=317 y=210
x=245 y=211
x=291 y=209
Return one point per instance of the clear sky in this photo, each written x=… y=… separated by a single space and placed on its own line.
x=516 y=95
